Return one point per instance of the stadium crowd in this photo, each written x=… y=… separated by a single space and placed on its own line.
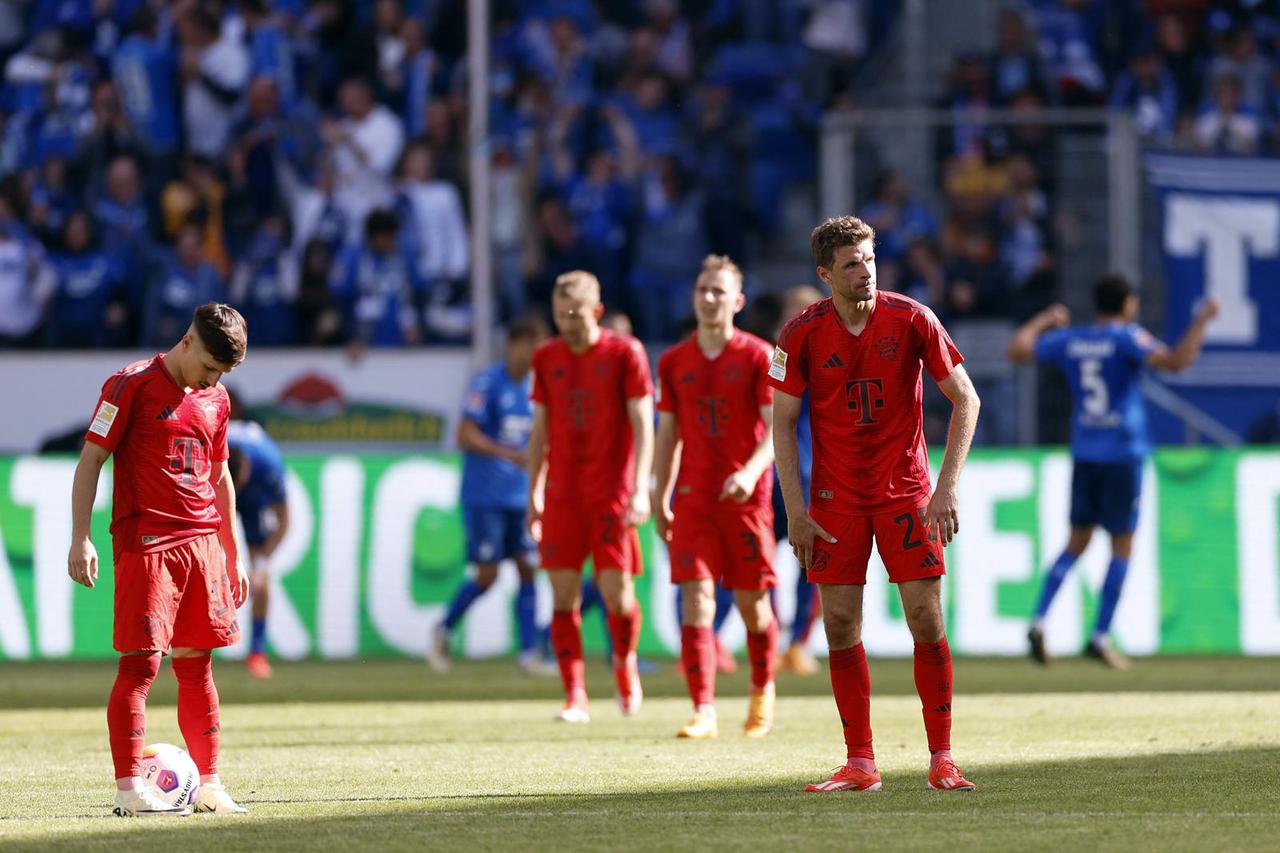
x=306 y=160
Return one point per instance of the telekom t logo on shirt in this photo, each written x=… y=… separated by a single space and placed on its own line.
x=865 y=395
x=184 y=458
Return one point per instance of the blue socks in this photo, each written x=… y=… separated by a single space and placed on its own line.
x=804 y=611
x=258 y=637
x=1111 y=588
x=1053 y=580
x=462 y=599
x=527 y=616
x=724 y=606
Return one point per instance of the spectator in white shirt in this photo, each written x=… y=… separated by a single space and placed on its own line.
x=1227 y=126
x=365 y=146
x=433 y=217
x=26 y=282
x=215 y=72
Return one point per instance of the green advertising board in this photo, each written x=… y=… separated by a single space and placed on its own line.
x=376 y=548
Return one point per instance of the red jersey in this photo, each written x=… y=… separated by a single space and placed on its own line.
x=717 y=403
x=166 y=443
x=864 y=400
x=590 y=449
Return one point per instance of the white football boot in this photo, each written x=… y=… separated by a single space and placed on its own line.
x=143 y=802
x=213 y=798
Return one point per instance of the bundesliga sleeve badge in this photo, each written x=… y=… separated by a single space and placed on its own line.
x=103 y=419
x=778 y=366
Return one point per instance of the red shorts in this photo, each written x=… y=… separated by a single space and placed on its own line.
x=734 y=548
x=908 y=553
x=571 y=533
x=176 y=597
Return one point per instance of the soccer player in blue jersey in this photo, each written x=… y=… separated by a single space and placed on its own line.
x=257 y=469
x=494 y=437
x=1103 y=364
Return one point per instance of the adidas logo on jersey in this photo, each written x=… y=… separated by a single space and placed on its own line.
x=930 y=561
x=167 y=415
x=834 y=361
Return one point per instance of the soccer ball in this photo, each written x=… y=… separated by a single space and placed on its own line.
x=170 y=773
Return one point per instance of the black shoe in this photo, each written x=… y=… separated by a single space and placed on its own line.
x=1101 y=651
x=1036 y=638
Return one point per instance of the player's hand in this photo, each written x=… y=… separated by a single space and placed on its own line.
x=82 y=563
x=941 y=516
x=239 y=582
x=738 y=487
x=663 y=517
x=533 y=518
x=1208 y=309
x=638 y=509
x=1056 y=316
x=517 y=456
x=801 y=531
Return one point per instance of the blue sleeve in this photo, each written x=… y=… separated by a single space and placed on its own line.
x=1136 y=343
x=475 y=406
x=1052 y=346
x=273 y=487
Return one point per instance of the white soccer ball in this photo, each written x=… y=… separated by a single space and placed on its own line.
x=170 y=773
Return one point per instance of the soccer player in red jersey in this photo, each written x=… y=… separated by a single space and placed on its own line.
x=590 y=458
x=860 y=355
x=715 y=408
x=178 y=578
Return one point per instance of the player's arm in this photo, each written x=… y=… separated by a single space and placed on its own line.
x=640 y=413
x=82 y=560
x=281 y=510
x=224 y=498
x=472 y=439
x=666 y=446
x=1022 y=347
x=1188 y=349
x=800 y=525
x=537 y=470
x=942 y=508
x=742 y=483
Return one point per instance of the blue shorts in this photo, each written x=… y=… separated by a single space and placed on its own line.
x=254 y=519
x=497 y=534
x=1106 y=494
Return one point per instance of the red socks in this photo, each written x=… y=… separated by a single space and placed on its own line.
x=624 y=629
x=127 y=711
x=933 y=683
x=698 y=654
x=762 y=652
x=566 y=644
x=851 y=684
x=198 y=715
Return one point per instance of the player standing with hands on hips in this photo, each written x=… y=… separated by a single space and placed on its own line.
x=860 y=355
x=590 y=459
x=178 y=577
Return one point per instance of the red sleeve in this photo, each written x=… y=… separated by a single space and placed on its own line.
x=539 y=394
x=636 y=381
x=113 y=413
x=666 y=388
x=764 y=391
x=789 y=367
x=220 y=437
x=939 y=354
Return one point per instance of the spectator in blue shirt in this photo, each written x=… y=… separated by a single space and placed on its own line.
x=1147 y=91
x=264 y=286
x=379 y=287
x=88 y=307
x=181 y=281
x=144 y=69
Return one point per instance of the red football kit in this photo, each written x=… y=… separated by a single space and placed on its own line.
x=870 y=465
x=590 y=450
x=716 y=403
x=171 y=585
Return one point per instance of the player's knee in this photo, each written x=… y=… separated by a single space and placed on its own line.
x=486 y=576
x=925 y=621
x=843 y=629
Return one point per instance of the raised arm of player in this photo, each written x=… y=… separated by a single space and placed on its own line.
x=1022 y=347
x=666 y=446
x=82 y=561
x=942 y=509
x=537 y=471
x=224 y=498
x=640 y=413
x=472 y=439
x=739 y=486
x=801 y=528
x=1188 y=349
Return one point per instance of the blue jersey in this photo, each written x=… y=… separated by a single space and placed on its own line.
x=500 y=406
x=86 y=284
x=266 y=467
x=1103 y=365
x=144 y=72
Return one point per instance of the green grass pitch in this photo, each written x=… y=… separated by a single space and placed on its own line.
x=1179 y=754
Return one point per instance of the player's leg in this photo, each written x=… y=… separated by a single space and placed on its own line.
x=260 y=602
x=205 y=621
x=698 y=654
x=566 y=641
x=1119 y=516
x=1077 y=542
x=725 y=661
x=144 y=613
x=624 y=616
x=750 y=549
x=519 y=545
x=797 y=658
x=484 y=533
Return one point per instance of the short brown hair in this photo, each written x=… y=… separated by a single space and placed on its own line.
x=721 y=263
x=528 y=328
x=222 y=331
x=575 y=278
x=834 y=233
